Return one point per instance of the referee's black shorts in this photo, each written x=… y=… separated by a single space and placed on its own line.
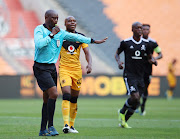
x=45 y=74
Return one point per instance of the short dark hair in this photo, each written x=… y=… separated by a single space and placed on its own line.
x=146 y=25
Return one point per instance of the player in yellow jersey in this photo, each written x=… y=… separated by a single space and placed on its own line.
x=70 y=74
x=171 y=77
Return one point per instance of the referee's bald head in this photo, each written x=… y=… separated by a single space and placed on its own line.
x=51 y=18
x=50 y=13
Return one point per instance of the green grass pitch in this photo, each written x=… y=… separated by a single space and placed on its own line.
x=96 y=118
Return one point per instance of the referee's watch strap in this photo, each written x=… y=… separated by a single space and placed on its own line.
x=92 y=40
x=51 y=35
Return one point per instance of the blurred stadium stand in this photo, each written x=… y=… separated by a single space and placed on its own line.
x=20 y=20
x=163 y=17
x=97 y=19
x=22 y=17
x=90 y=17
x=17 y=47
x=5 y=68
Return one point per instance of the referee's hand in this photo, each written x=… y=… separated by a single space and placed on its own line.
x=100 y=41
x=55 y=30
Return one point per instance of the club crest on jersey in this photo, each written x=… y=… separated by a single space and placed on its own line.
x=71 y=49
x=132 y=88
x=143 y=47
x=79 y=81
x=63 y=81
x=58 y=43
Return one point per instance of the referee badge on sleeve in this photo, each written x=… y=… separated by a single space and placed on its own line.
x=58 y=43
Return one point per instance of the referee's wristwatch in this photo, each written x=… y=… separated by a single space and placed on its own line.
x=51 y=35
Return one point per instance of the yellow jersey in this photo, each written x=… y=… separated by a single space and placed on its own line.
x=171 y=70
x=171 y=75
x=69 y=55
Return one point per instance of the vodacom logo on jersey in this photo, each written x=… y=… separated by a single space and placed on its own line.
x=71 y=49
x=137 y=55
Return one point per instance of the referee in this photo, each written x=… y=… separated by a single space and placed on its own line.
x=48 y=40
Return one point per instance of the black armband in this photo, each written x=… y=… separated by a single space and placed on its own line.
x=92 y=40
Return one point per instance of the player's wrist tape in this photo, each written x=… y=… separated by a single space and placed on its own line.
x=92 y=40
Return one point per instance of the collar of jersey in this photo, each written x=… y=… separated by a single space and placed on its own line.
x=136 y=41
x=45 y=26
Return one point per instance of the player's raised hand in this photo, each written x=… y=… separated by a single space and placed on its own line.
x=100 y=41
x=55 y=30
x=88 y=68
x=120 y=65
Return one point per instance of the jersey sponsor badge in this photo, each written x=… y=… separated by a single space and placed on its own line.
x=71 y=49
x=137 y=55
x=58 y=43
